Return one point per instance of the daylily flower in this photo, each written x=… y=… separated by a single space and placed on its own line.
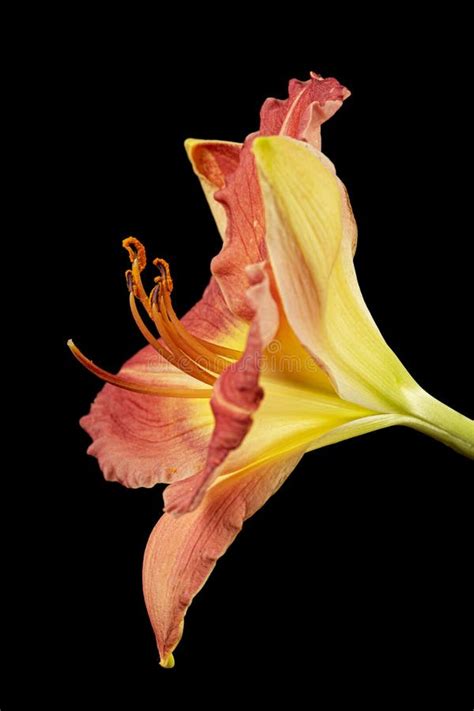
x=280 y=356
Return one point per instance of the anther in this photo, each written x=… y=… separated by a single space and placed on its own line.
x=165 y=277
x=135 y=385
x=155 y=294
x=136 y=251
x=129 y=279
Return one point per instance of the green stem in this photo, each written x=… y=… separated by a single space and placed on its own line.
x=436 y=419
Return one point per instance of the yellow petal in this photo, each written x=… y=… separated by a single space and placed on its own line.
x=311 y=256
x=290 y=418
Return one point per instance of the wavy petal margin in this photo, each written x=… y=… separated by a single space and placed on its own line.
x=228 y=177
x=142 y=440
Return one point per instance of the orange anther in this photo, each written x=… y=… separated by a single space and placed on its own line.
x=136 y=251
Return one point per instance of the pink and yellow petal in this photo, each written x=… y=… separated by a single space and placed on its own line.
x=228 y=176
x=212 y=320
x=182 y=552
x=233 y=194
x=141 y=440
x=291 y=418
x=213 y=162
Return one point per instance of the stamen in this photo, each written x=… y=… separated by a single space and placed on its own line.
x=221 y=350
x=216 y=349
x=198 y=349
x=135 y=386
x=137 y=254
x=194 y=356
x=136 y=251
x=182 y=355
x=183 y=338
x=178 y=359
x=164 y=268
x=139 y=288
x=129 y=280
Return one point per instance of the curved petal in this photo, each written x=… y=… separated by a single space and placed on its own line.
x=211 y=320
x=182 y=552
x=236 y=396
x=244 y=242
x=234 y=196
x=357 y=427
x=311 y=256
x=141 y=440
x=228 y=176
x=213 y=162
x=309 y=104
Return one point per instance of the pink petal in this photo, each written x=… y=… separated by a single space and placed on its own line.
x=215 y=160
x=244 y=241
x=232 y=190
x=309 y=104
x=182 y=552
x=140 y=440
x=234 y=185
x=236 y=396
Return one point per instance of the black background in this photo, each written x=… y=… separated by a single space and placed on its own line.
x=356 y=576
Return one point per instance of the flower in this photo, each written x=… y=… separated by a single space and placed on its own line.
x=279 y=357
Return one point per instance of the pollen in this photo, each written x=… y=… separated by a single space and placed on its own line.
x=136 y=251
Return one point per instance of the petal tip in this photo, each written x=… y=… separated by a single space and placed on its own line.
x=167 y=662
x=181 y=499
x=189 y=145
